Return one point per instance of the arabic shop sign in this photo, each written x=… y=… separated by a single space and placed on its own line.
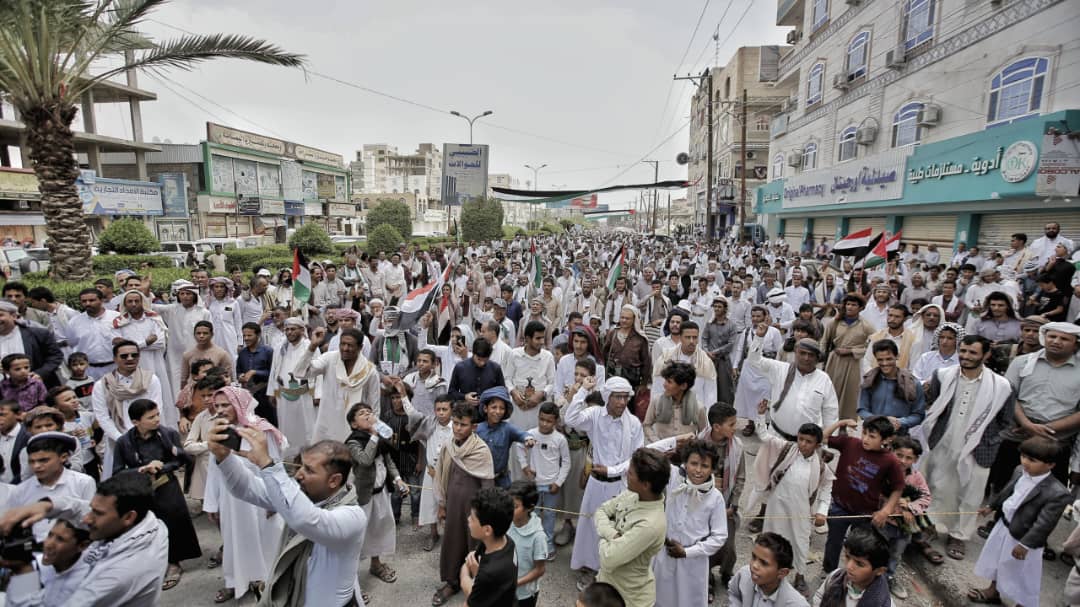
x=1014 y=164
x=872 y=179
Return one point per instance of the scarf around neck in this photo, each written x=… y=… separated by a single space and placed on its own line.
x=665 y=409
x=116 y=393
x=351 y=382
x=473 y=456
x=905 y=383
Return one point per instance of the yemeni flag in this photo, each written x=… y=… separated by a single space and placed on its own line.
x=301 y=278
x=892 y=244
x=536 y=268
x=877 y=254
x=617 y=271
x=420 y=300
x=854 y=245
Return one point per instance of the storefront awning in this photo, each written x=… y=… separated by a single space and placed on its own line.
x=270 y=222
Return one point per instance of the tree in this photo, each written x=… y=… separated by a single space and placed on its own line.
x=393 y=212
x=46 y=50
x=312 y=240
x=128 y=236
x=482 y=219
x=384 y=238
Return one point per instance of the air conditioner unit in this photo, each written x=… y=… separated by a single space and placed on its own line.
x=751 y=155
x=794 y=160
x=866 y=135
x=930 y=115
x=24 y=204
x=896 y=58
x=840 y=81
x=794 y=36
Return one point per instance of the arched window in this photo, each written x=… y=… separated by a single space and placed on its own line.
x=820 y=14
x=809 y=156
x=778 y=166
x=1017 y=91
x=815 y=84
x=905 y=128
x=918 y=22
x=727 y=87
x=848 y=147
x=858 y=55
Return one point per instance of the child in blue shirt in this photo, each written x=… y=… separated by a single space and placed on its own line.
x=495 y=407
x=530 y=542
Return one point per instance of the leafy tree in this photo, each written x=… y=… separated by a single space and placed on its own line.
x=128 y=237
x=312 y=240
x=393 y=212
x=384 y=238
x=46 y=50
x=482 y=219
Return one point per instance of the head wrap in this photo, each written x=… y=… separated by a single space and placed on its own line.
x=637 y=318
x=244 y=404
x=809 y=344
x=1031 y=266
x=500 y=393
x=375 y=300
x=613 y=385
x=346 y=313
x=8 y=307
x=955 y=328
x=69 y=441
x=1035 y=320
x=1061 y=327
x=391 y=318
x=295 y=321
x=776 y=295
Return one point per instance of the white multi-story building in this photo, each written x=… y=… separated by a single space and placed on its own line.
x=514 y=213
x=384 y=170
x=930 y=117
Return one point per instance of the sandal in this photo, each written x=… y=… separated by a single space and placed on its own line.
x=442 y=595
x=224 y=595
x=172 y=577
x=983 y=596
x=931 y=555
x=384 y=573
x=215 y=559
x=955 y=549
x=366 y=597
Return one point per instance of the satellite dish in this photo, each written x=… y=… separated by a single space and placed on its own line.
x=682 y=158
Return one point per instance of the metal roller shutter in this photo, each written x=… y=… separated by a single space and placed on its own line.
x=856 y=224
x=995 y=231
x=793 y=231
x=825 y=227
x=925 y=230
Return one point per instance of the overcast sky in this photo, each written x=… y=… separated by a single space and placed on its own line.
x=596 y=76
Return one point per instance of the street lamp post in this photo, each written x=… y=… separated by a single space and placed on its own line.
x=536 y=184
x=471 y=120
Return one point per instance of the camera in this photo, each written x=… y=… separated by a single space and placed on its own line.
x=19 y=545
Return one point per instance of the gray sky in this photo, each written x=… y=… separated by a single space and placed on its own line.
x=589 y=74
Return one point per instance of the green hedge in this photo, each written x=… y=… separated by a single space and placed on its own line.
x=68 y=292
x=257 y=256
x=109 y=264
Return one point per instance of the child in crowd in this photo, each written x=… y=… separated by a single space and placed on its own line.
x=374 y=470
x=770 y=564
x=914 y=501
x=496 y=407
x=19 y=384
x=196 y=439
x=77 y=423
x=78 y=380
x=729 y=478
x=632 y=528
x=48 y=451
x=489 y=576
x=186 y=399
x=796 y=483
x=577 y=442
x=47 y=419
x=432 y=431
x=464 y=467
x=1028 y=509
x=400 y=416
x=599 y=594
x=529 y=540
x=868 y=481
x=547 y=464
x=862 y=581
x=696 y=525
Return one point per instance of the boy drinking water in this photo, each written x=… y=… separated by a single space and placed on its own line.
x=529 y=541
x=547 y=464
x=770 y=564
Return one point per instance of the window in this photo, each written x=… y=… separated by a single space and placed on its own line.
x=857 y=52
x=905 y=129
x=848 y=148
x=918 y=22
x=762 y=123
x=1017 y=91
x=820 y=14
x=815 y=84
x=809 y=156
x=778 y=166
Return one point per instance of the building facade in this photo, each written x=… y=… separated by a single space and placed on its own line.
x=384 y=170
x=753 y=70
x=514 y=213
x=940 y=119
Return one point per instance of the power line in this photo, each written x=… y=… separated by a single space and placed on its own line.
x=161 y=77
x=671 y=87
x=647 y=154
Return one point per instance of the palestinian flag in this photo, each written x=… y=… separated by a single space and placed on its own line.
x=419 y=300
x=617 y=271
x=301 y=278
x=877 y=254
x=536 y=268
x=854 y=245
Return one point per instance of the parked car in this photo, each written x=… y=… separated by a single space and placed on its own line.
x=206 y=245
x=16 y=261
x=41 y=255
x=342 y=239
x=179 y=249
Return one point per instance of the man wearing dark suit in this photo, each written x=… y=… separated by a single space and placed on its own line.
x=13 y=435
x=36 y=342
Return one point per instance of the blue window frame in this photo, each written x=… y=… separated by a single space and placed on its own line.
x=1017 y=91
x=815 y=84
x=918 y=22
x=905 y=128
x=858 y=52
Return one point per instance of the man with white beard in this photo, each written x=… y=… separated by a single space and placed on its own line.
x=181 y=316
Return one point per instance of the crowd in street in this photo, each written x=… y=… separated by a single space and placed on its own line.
x=585 y=392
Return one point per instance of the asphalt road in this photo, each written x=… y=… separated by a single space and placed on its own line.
x=418 y=572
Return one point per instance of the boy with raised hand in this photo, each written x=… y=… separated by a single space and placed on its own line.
x=632 y=528
x=764 y=579
x=489 y=576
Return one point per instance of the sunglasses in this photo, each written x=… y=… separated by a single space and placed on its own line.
x=128 y=356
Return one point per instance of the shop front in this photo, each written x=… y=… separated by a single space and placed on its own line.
x=21 y=220
x=106 y=199
x=220 y=217
x=341 y=215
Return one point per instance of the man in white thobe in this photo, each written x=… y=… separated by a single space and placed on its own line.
x=687 y=351
x=147 y=329
x=114 y=392
x=181 y=316
x=348 y=378
x=292 y=393
x=225 y=315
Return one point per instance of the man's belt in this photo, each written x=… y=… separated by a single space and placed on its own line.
x=604 y=479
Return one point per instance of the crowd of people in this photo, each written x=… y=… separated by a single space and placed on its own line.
x=587 y=392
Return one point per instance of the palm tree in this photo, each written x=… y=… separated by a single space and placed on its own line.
x=46 y=51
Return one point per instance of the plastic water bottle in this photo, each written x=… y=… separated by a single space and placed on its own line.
x=384 y=430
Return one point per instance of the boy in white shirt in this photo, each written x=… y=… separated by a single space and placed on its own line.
x=547 y=463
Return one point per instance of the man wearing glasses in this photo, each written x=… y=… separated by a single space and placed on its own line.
x=115 y=391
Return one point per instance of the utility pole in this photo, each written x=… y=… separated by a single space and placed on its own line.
x=745 y=168
x=656 y=194
x=669 y=214
x=707 y=80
